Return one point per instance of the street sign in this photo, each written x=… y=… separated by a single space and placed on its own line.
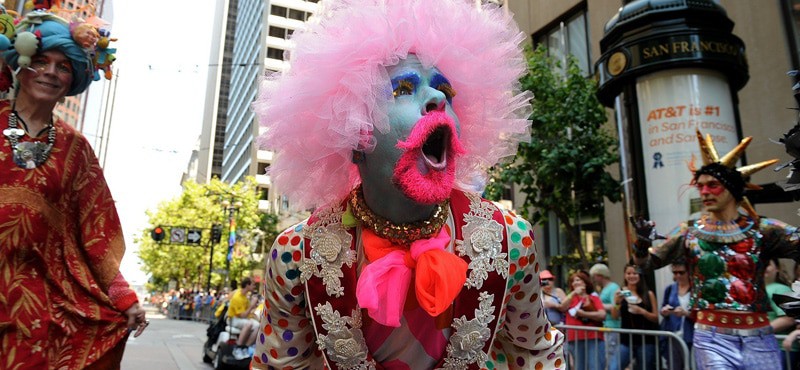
x=177 y=235
x=194 y=236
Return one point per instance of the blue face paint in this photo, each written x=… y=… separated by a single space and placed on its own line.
x=416 y=90
x=440 y=83
x=405 y=84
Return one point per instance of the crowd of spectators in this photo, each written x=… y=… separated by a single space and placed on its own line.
x=195 y=305
x=593 y=299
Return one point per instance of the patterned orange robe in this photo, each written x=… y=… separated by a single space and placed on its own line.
x=62 y=297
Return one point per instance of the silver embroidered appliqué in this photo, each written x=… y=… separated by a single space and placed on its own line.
x=483 y=242
x=345 y=346
x=469 y=336
x=330 y=250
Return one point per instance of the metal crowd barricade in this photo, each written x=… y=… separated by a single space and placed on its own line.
x=177 y=311
x=675 y=345
x=206 y=313
x=789 y=358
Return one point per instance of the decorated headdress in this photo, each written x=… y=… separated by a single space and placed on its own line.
x=39 y=31
x=337 y=90
x=724 y=169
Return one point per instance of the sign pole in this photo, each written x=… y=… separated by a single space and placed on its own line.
x=210 y=265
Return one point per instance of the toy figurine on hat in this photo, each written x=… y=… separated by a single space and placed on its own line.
x=386 y=122
x=40 y=30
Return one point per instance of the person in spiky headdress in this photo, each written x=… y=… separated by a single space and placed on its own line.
x=727 y=253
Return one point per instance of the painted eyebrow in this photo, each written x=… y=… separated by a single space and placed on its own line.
x=413 y=78
x=437 y=80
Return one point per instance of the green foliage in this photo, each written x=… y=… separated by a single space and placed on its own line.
x=563 y=169
x=200 y=206
x=574 y=259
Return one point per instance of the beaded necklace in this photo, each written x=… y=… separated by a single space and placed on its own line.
x=724 y=232
x=28 y=155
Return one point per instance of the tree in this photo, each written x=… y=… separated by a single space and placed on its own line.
x=563 y=169
x=199 y=206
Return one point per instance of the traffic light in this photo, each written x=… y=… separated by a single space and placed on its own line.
x=158 y=234
x=216 y=233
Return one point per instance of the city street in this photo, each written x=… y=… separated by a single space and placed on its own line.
x=167 y=345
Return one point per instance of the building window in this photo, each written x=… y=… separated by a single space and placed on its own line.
x=297 y=14
x=273 y=53
x=262 y=168
x=284 y=203
x=278 y=32
x=568 y=37
x=278 y=11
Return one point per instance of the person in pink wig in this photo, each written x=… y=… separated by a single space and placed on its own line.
x=385 y=124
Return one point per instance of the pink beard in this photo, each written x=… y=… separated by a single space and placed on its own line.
x=413 y=176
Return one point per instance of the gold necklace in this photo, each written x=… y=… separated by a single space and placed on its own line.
x=401 y=234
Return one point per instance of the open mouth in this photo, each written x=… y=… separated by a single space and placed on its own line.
x=426 y=170
x=434 y=149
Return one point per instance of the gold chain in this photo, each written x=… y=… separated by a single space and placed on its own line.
x=401 y=234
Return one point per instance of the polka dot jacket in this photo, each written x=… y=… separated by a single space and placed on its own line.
x=312 y=319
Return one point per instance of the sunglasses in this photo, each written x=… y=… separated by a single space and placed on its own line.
x=679 y=272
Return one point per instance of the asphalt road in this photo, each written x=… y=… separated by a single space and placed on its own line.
x=166 y=345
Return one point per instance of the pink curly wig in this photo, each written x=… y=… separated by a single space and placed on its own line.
x=337 y=90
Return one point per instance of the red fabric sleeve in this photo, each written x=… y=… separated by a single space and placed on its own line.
x=101 y=237
x=122 y=296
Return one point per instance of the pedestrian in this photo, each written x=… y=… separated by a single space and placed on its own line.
x=601 y=277
x=636 y=307
x=727 y=253
x=777 y=283
x=676 y=312
x=63 y=302
x=386 y=122
x=552 y=296
x=584 y=308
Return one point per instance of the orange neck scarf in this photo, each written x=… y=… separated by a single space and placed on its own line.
x=383 y=284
